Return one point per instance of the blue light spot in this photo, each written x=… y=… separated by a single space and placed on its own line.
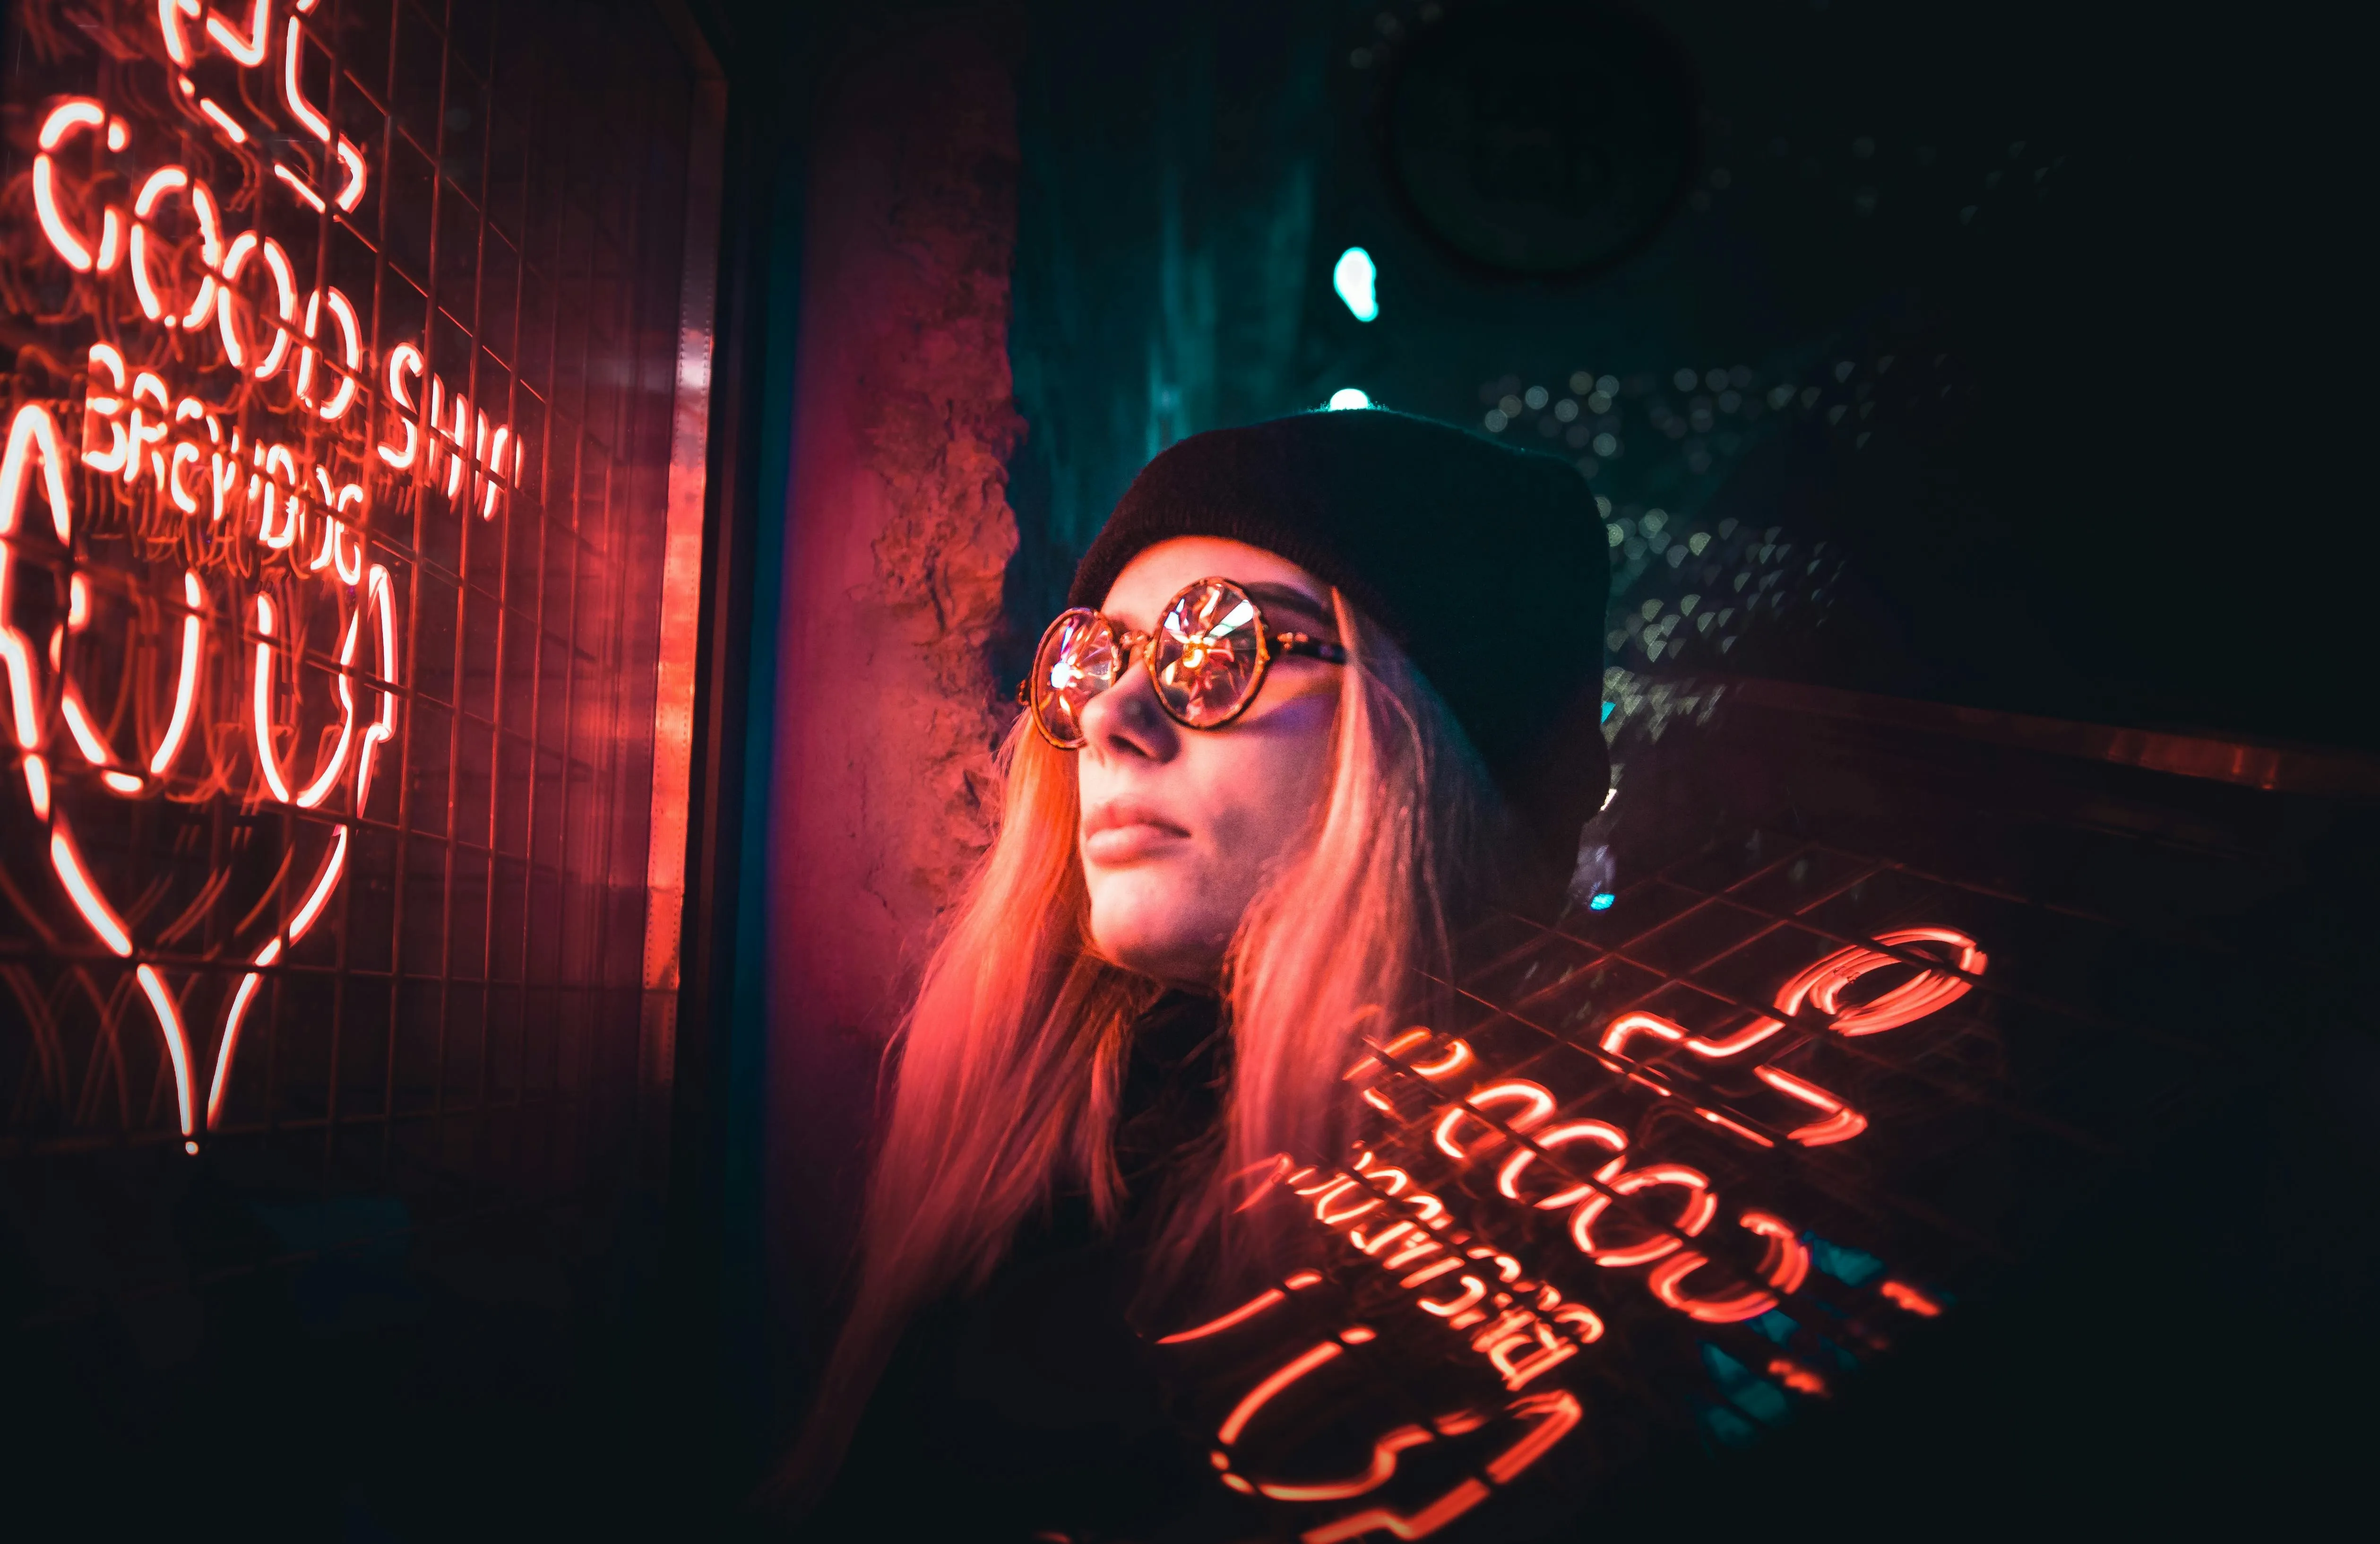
x=1846 y=1265
x=1748 y=1391
x=1606 y=713
x=1776 y=1326
x=1602 y=902
x=1349 y=396
x=1354 y=278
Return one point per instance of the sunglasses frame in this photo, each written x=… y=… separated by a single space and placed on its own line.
x=1141 y=647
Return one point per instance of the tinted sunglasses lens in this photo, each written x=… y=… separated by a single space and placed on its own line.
x=1079 y=660
x=1207 y=660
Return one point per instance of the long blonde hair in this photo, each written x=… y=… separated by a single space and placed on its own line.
x=1009 y=1061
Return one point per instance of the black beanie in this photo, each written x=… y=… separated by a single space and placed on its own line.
x=1488 y=565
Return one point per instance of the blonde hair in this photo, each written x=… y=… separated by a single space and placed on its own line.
x=1010 y=1058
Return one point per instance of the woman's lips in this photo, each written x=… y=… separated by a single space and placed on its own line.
x=1122 y=833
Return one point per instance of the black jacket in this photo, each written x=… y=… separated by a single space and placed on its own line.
x=1029 y=1409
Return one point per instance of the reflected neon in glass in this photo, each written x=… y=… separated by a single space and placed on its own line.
x=1207 y=660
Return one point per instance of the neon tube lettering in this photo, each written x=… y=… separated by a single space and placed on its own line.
x=1841 y=1124
x=187 y=683
x=1541 y=1109
x=319 y=897
x=1665 y=1282
x=403 y=361
x=1700 y=1207
x=74 y=112
x=166 y=179
x=1787 y=1263
x=267 y=761
x=298 y=185
x=177 y=1044
x=169 y=27
x=1821 y=986
x=1246 y=1310
x=98 y=409
x=379 y=593
x=31 y=433
x=284 y=285
x=68 y=861
x=141 y=431
x=247 y=47
x=1601 y=1132
x=351 y=349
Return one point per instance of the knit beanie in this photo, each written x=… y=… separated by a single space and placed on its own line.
x=1486 y=564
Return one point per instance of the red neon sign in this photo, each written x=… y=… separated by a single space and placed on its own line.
x=265 y=500
x=1510 y=1313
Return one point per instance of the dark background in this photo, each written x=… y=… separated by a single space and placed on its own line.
x=2139 y=504
x=2121 y=237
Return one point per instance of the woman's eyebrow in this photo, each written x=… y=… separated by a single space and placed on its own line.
x=1301 y=607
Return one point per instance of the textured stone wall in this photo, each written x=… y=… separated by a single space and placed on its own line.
x=898 y=537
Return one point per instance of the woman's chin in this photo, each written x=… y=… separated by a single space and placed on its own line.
x=1160 y=944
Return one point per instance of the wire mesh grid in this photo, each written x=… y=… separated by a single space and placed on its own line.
x=456 y=1008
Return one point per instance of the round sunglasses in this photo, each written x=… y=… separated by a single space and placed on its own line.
x=1208 y=655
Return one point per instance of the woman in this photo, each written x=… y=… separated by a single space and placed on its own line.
x=1329 y=684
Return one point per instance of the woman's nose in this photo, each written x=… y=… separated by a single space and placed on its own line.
x=1125 y=720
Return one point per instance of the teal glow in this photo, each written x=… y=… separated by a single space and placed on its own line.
x=1349 y=396
x=1355 y=280
x=1602 y=902
x=1845 y=1264
x=1606 y=713
x=1744 y=1389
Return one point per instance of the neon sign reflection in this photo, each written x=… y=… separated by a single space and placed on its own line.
x=1509 y=1311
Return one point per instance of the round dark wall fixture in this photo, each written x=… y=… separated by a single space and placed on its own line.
x=1541 y=138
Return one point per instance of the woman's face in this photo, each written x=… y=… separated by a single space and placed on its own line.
x=1180 y=826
